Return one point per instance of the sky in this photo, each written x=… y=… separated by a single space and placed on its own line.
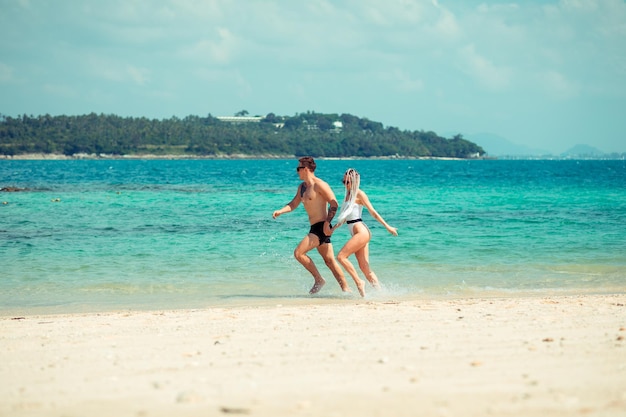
x=539 y=73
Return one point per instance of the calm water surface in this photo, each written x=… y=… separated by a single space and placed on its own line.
x=137 y=234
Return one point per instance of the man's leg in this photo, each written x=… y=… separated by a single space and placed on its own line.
x=326 y=250
x=300 y=253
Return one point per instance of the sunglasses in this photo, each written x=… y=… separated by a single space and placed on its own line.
x=299 y=168
x=345 y=182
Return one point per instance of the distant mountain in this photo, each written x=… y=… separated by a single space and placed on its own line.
x=582 y=150
x=496 y=145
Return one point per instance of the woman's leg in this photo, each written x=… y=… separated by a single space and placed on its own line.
x=356 y=242
x=363 y=256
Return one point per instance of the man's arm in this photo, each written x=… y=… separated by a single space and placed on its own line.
x=291 y=205
x=332 y=210
x=329 y=197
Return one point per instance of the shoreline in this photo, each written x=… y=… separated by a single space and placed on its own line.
x=130 y=157
x=61 y=157
x=147 y=305
x=519 y=357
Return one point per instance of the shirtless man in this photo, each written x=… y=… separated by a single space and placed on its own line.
x=315 y=194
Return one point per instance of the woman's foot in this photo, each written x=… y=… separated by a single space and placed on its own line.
x=360 y=284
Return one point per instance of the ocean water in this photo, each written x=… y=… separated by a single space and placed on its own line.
x=94 y=235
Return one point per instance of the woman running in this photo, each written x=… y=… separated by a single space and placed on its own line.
x=358 y=244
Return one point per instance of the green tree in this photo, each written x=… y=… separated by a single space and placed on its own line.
x=307 y=133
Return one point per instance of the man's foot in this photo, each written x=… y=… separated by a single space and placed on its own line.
x=317 y=286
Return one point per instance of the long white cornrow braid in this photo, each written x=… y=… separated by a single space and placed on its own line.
x=350 y=199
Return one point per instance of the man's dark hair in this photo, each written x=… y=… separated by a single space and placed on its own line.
x=308 y=162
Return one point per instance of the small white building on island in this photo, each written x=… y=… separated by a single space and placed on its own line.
x=241 y=119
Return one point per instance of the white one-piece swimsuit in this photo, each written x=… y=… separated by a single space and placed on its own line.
x=354 y=217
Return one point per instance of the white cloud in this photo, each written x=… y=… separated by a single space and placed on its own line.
x=447 y=25
x=210 y=54
x=391 y=13
x=557 y=85
x=26 y=4
x=221 y=49
x=139 y=76
x=231 y=80
x=109 y=69
x=60 y=90
x=483 y=70
x=403 y=81
x=6 y=73
x=589 y=49
x=582 y=5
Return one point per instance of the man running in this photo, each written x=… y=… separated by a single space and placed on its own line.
x=316 y=195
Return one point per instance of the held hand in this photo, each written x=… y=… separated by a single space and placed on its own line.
x=336 y=226
x=327 y=229
x=276 y=214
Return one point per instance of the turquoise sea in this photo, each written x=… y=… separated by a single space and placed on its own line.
x=95 y=235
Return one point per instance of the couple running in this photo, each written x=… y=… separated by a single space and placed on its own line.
x=316 y=195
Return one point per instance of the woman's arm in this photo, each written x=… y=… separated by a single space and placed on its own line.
x=365 y=201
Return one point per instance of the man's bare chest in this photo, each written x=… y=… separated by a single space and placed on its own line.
x=308 y=193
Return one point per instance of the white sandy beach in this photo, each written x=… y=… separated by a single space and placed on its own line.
x=556 y=356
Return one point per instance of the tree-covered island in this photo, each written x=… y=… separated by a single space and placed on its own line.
x=310 y=133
